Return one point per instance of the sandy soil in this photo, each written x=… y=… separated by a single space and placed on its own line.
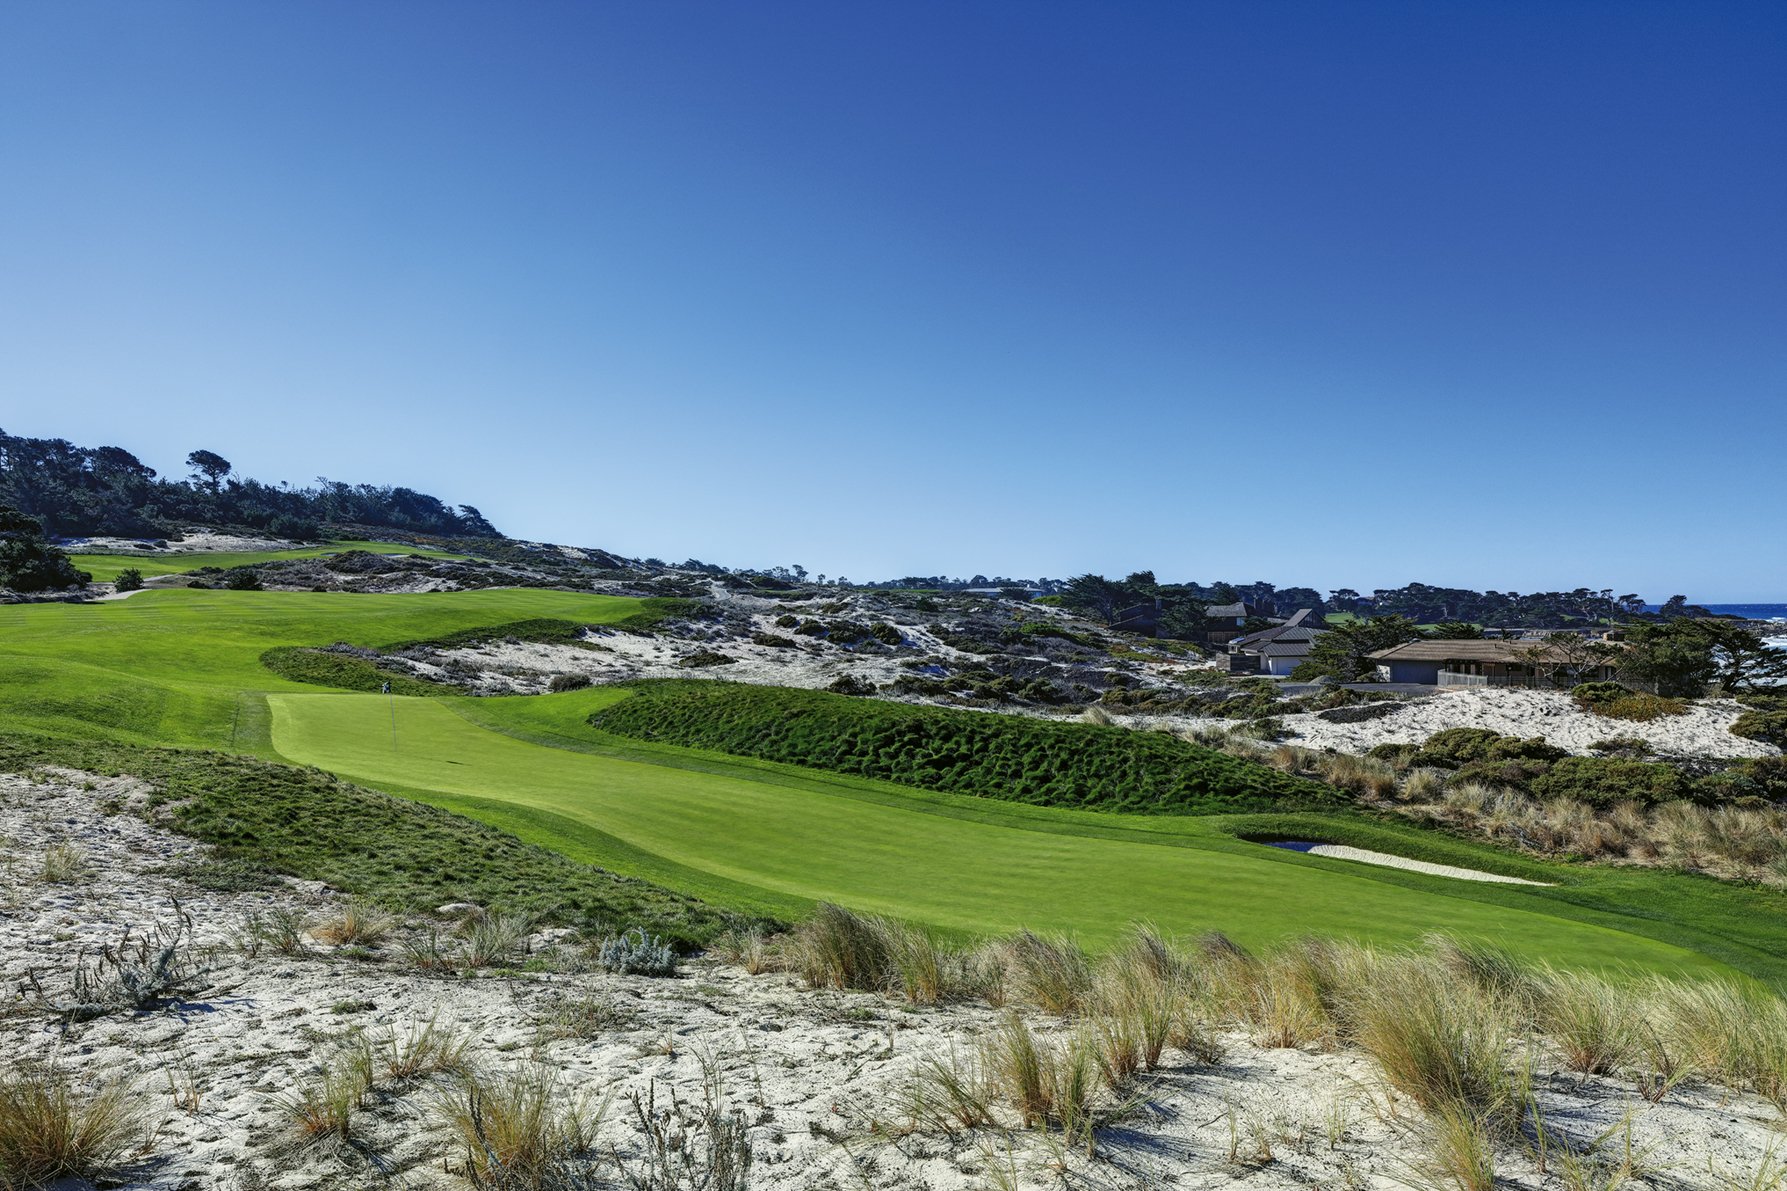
x=813 y=1073
x=1703 y=731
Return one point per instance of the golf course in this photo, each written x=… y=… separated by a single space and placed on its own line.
x=182 y=668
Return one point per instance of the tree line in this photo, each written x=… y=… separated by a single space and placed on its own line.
x=77 y=491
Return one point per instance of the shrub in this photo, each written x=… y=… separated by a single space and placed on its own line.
x=52 y=1127
x=1592 y=696
x=1037 y=761
x=885 y=633
x=242 y=579
x=787 y=620
x=129 y=579
x=1454 y=747
x=1604 y=781
x=567 y=682
x=1770 y=727
x=705 y=657
x=636 y=953
x=850 y=684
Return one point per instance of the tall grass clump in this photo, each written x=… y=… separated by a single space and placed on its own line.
x=838 y=949
x=53 y=1127
x=1051 y=973
x=1731 y=1033
x=322 y=1108
x=520 y=1130
x=357 y=923
x=1597 y=1026
x=1443 y=1044
x=1044 y=1083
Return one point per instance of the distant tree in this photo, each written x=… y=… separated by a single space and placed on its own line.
x=1183 y=620
x=1343 y=651
x=1094 y=595
x=1141 y=582
x=1455 y=630
x=210 y=465
x=1739 y=659
x=1224 y=593
x=1675 y=605
x=27 y=560
x=1014 y=593
x=129 y=579
x=1631 y=603
x=1569 y=657
x=1672 y=658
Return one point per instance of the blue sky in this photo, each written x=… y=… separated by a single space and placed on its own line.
x=1337 y=294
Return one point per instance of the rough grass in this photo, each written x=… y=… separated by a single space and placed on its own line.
x=1042 y=762
x=280 y=820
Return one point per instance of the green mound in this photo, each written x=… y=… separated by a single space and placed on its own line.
x=1042 y=762
x=343 y=671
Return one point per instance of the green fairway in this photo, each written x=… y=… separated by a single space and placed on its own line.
x=105 y=567
x=182 y=666
x=773 y=846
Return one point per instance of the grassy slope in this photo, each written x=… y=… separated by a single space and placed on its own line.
x=105 y=567
x=767 y=841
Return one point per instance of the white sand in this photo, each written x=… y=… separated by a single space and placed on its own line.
x=1704 y=730
x=1386 y=860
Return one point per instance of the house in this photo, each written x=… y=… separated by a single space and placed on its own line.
x=1490 y=663
x=1228 y=621
x=1277 y=650
x=1142 y=619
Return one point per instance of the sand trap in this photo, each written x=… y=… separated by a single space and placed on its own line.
x=1363 y=856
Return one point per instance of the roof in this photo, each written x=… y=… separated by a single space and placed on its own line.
x=1461 y=651
x=1296 y=630
x=1283 y=649
x=1241 y=609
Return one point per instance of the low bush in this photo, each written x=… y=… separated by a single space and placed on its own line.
x=850 y=684
x=1455 y=747
x=567 y=682
x=242 y=579
x=1604 y=781
x=1770 y=727
x=129 y=579
x=702 y=658
x=636 y=953
x=1019 y=759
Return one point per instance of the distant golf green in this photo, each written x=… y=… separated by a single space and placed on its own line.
x=104 y=567
x=181 y=667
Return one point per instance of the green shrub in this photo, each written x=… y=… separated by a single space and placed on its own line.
x=129 y=579
x=1603 y=781
x=242 y=579
x=1019 y=759
x=850 y=684
x=885 y=633
x=787 y=620
x=1770 y=727
x=1591 y=696
x=567 y=682
x=702 y=658
x=1455 y=747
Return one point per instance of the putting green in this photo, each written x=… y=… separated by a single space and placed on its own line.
x=792 y=845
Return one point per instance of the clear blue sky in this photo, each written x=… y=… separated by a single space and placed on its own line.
x=1335 y=293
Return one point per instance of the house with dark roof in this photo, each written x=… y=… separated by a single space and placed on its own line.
x=1506 y=662
x=1227 y=621
x=1277 y=650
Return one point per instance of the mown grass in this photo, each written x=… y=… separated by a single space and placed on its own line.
x=270 y=820
x=1043 y=762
